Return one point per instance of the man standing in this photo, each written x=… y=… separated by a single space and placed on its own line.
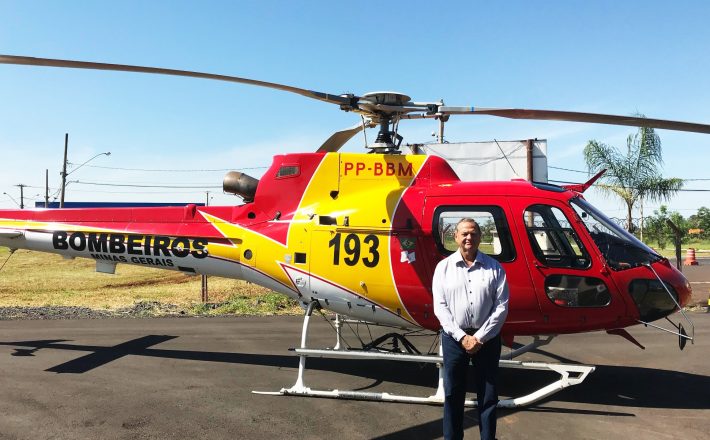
x=471 y=303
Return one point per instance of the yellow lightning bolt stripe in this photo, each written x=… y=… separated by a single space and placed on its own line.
x=362 y=183
x=265 y=252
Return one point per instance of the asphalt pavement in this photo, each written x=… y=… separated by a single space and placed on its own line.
x=192 y=378
x=699 y=277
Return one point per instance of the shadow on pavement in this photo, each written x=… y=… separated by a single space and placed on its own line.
x=608 y=385
x=433 y=429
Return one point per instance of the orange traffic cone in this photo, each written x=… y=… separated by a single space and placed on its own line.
x=690 y=258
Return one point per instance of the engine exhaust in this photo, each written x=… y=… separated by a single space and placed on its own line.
x=240 y=184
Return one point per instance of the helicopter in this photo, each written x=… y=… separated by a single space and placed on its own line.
x=359 y=235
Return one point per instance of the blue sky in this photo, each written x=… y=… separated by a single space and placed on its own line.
x=603 y=56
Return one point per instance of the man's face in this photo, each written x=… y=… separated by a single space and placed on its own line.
x=468 y=237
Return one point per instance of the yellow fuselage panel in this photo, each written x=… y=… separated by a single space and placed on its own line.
x=350 y=236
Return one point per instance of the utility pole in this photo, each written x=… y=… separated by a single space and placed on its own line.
x=677 y=237
x=64 y=170
x=529 y=156
x=205 y=295
x=46 y=188
x=22 y=195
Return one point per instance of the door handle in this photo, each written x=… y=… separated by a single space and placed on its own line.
x=539 y=265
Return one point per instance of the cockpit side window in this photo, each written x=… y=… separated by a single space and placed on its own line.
x=496 y=240
x=553 y=240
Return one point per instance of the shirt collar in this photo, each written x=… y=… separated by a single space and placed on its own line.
x=458 y=259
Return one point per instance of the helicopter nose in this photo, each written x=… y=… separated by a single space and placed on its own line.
x=680 y=284
x=685 y=293
x=660 y=297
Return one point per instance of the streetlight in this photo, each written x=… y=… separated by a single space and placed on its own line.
x=12 y=198
x=108 y=153
x=64 y=171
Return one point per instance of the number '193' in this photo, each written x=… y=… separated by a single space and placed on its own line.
x=352 y=248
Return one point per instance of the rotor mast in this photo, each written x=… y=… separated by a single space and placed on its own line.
x=385 y=108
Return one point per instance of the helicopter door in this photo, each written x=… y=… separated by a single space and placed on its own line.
x=497 y=241
x=572 y=287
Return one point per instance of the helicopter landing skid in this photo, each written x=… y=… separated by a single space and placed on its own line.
x=570 y=374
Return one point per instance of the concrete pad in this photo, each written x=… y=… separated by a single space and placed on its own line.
x=193 y=377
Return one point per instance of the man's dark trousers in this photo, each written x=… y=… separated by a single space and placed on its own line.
x=456 y=362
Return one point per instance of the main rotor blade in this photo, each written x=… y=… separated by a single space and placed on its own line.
x=554 y=115
x=336 y=141
x=48 y=62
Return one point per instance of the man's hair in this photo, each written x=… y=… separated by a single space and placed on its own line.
x=468 y=220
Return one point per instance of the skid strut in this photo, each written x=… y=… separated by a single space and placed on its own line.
x=570 y=374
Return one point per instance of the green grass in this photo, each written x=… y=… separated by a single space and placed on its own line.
x=668 y=250
x=269 y=303
x=31 y=279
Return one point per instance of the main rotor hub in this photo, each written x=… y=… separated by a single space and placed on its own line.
x=384 y=107
x=387 y=98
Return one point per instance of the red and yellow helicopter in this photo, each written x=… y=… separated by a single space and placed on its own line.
x=360 y=235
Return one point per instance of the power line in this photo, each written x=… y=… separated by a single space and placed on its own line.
x=564 y=182
x=567 y=169
x=175 y=170
x=589 y=172
x=198 y=188
x=196 y=185
x=147 y=186
x=134 y=192
x=153 y=182
x=36 y=187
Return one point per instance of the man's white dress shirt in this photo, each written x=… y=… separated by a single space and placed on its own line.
x=470 y=297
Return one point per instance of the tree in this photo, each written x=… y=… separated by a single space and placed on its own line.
x=635 y=176
x=681 y=222
x=701 y=220
x=657 y=228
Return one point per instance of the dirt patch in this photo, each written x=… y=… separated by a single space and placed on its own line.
x=139 y=310
x=170 y=279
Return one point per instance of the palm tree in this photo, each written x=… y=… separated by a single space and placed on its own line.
x=636 y=176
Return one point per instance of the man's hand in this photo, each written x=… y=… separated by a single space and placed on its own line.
x=471 y=344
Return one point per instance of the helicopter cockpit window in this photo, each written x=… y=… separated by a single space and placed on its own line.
x=574 y=291
x=620 y=249
x=288 y=171
x=495 y=240
x=553 y=239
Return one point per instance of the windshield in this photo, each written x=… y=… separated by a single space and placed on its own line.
x=620 y=249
